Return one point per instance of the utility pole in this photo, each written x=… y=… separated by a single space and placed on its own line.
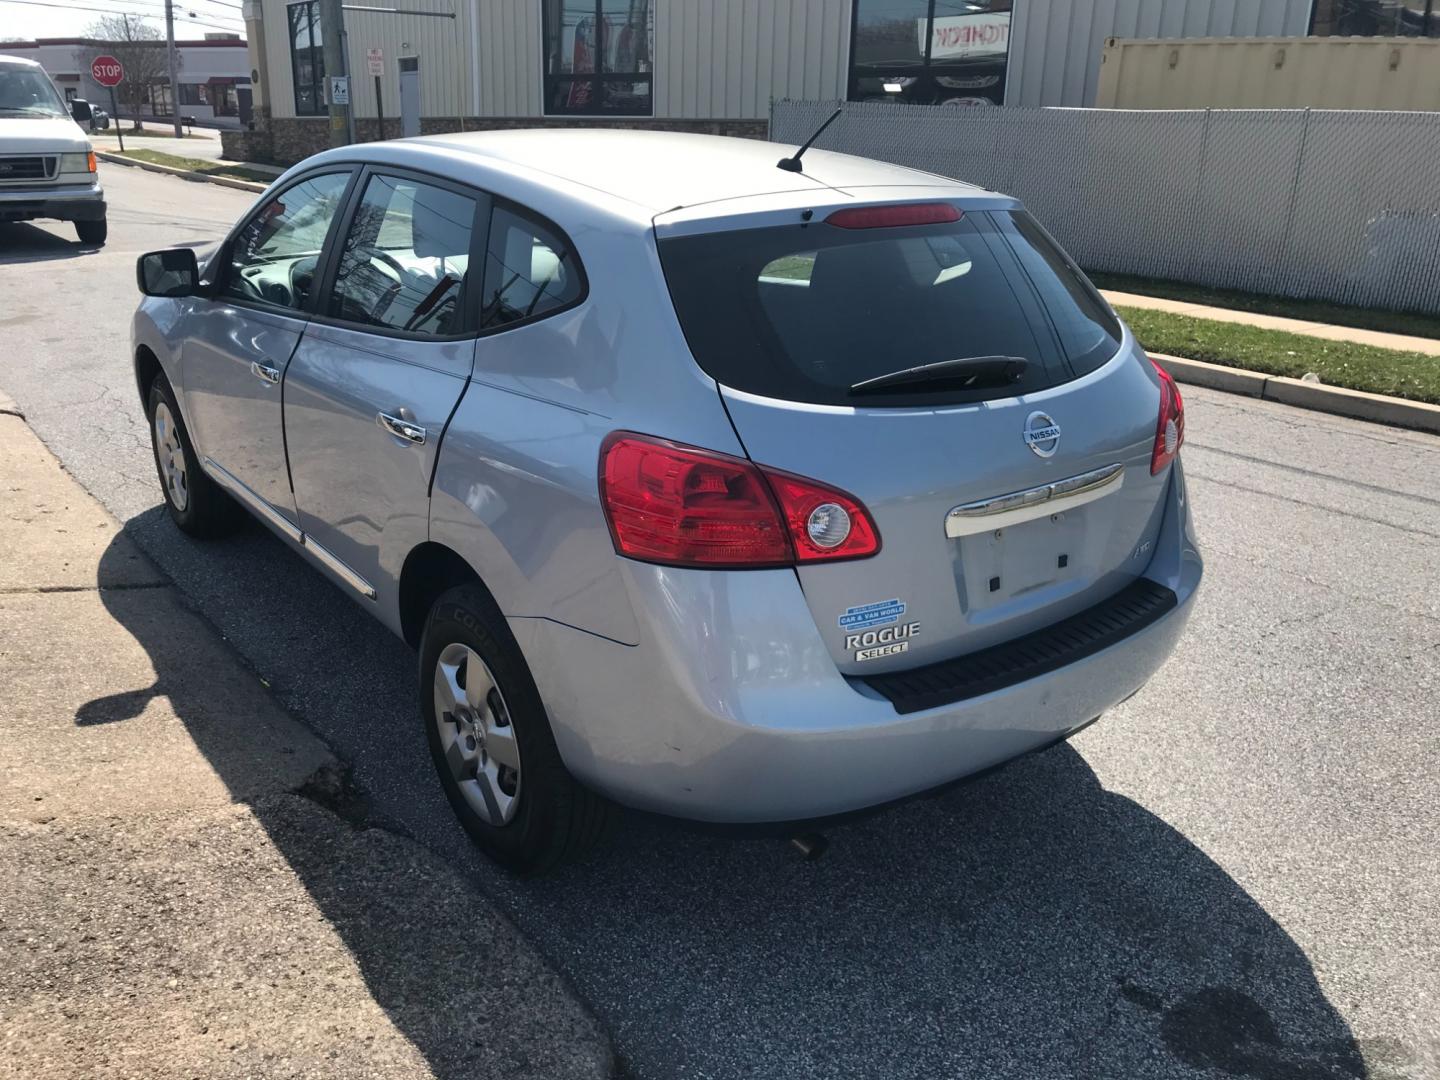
x=332 y=31
x=174 y=65
x=113 y=103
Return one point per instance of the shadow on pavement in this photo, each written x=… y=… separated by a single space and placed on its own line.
x=1031 y=924
x=449 y=971
x=22 y=242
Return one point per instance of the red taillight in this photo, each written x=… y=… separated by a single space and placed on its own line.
x=682 y=506
x=823 y=523
x=886 y=217
x=1170 y=431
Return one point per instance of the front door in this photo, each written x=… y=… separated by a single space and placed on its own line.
x=377 y=376
x=239 y=341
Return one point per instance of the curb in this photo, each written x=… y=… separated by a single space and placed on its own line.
x=184 y=174
x=1376 y=408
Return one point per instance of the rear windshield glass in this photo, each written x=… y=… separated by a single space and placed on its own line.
x=806 y=312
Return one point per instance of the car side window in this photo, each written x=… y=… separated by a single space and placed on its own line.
x=405 y=258
x=530 y=270
x=273 y=258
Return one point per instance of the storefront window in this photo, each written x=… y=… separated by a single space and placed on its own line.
x=223 y=100
x=157 y=95
x=930 y=52
x=307 y=58
x=598 y=57
x=1377 y=18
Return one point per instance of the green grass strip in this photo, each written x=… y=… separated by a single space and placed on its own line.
x=199 y=165
x=1393 y=322
x=1414 y=376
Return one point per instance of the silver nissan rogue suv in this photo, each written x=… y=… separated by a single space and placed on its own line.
x=734 y=491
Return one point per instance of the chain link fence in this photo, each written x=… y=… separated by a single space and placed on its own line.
x=1331 y=205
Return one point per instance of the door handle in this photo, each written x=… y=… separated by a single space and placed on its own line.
x=401 y=429
x=264 y=372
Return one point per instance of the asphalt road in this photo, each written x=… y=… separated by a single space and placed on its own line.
x=1234 y=874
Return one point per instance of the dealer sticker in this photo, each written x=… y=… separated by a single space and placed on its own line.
x=881 y=613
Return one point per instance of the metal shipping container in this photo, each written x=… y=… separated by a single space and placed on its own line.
x=1317 y=73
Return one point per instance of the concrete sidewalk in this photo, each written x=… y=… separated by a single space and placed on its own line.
x=1328 y=331
x=178 y=894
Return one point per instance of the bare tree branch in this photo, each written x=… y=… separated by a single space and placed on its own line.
x=140 y=48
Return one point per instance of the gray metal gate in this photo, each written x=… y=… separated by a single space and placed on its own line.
x=1334 y=205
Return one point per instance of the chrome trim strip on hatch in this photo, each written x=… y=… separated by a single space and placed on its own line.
x=235 y=487
x=970 y=519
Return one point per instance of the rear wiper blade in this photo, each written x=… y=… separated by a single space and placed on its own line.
x=966 y=373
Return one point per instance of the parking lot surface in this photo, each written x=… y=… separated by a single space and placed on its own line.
x=1233 y=874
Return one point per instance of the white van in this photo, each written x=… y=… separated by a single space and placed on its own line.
x=47 y=168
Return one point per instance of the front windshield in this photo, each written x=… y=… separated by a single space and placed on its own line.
x=28 y=92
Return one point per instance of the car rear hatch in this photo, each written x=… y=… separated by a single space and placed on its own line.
x=1011 y=492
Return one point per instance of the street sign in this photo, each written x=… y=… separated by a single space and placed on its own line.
x=376 y=59
x=106 y=71
x=339 y=90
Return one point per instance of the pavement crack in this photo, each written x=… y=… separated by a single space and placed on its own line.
x=1315 y=473
x=1309 y=616
x=1233 y=486
x=10 y=590
x=1367 y=598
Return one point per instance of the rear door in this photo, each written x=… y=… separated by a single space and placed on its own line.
x=1003 y=506
x=379 y=372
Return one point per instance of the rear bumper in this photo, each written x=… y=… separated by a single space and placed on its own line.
x=77 y=202
x=731 y=709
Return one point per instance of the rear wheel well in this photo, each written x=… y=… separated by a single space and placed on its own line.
x=147 y=367
x=429 y=571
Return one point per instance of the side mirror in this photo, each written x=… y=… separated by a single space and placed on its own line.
x=168 y=273
x=80 y=111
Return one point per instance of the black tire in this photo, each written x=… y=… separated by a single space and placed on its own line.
x=92 y=232
x=556 y=820
x=208 y=511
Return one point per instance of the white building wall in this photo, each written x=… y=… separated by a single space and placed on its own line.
x=728 y=58
x=441 y=45
x=280 y=94
x=713 y=58
x=200 y=64
x=510 y=58
x=1056 y=45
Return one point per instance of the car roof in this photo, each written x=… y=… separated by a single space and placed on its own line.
x=665 y=170
x=17 y=61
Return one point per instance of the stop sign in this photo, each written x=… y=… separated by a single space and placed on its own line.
x=106 y=71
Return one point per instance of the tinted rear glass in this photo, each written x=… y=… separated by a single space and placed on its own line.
x=1088 y=332
x=804 y=312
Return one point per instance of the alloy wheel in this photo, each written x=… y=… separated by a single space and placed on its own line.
x=171 y=457
x=476 y=734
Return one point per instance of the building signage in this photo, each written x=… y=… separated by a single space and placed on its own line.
x=964 y=37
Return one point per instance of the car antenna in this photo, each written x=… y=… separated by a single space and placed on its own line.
x=792 y=163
